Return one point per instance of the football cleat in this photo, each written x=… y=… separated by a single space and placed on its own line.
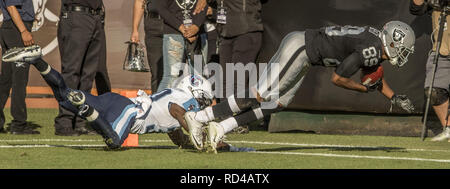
x=195 y=130
x=445 y=135
x=216 y=134
x=76 y=97
x=23 y=54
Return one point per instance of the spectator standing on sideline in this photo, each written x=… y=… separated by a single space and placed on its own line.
x=154 y=30
x=18 y=17
x=181 y=29
x=82 y=46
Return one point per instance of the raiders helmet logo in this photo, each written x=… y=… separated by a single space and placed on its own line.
x=186 y=4
x=398 y=35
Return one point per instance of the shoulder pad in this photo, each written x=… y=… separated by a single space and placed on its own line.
x=374 y=31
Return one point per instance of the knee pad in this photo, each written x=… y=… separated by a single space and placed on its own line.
x=438 y=95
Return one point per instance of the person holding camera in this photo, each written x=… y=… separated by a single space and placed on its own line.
x=82 y=46
x=440 y=88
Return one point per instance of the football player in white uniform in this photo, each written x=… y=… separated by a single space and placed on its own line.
x=115 y=116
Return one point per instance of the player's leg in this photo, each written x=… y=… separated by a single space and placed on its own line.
x=440 y=103
x=217 y=131
x=293 y=64
x=440 y=93
x=289 y=64
x=224 y=109
x=77 y=104
x=286 y=67
x=73 y=100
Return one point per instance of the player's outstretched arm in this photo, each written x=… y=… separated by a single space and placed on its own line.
x=177 y=136
x=178 y=112
x=347 y=83
x=401 y=101
x=386 y=90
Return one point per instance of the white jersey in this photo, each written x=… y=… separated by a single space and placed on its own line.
x=154 y=116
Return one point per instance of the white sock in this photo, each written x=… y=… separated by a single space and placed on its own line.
x=229 y=124
x=93 y=116
x=205 y=115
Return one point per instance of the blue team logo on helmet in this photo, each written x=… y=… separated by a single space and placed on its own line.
x=196 y=81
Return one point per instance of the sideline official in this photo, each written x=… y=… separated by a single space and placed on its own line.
x=82 y=46
x=18 y=16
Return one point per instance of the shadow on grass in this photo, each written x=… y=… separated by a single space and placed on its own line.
x=30 y=124
x=99 y=147
x=334 y=148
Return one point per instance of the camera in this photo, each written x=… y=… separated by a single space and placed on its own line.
x=439 y=4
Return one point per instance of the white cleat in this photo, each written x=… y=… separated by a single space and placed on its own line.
x=216 y=134
x=445 y=135
x=23 y=54
x=195 y=130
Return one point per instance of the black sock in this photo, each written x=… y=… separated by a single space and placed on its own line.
x=254 y=115
x=224 y=109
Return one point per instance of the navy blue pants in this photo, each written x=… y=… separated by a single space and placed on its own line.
x=116 y=112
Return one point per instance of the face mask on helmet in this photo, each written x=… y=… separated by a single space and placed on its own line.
x=203 y=98
x=199 y=87
x=398 y=41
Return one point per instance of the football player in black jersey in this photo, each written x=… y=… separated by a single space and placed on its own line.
x=347 y=48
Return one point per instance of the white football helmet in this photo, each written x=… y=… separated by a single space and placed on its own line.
x=398 y=41
x=198 y=86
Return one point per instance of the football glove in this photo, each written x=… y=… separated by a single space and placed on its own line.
x=403 y=102
x=374 y=86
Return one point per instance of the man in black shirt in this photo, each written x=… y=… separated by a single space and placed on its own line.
x=181 y=29
x=347 y=48
x=82 y=46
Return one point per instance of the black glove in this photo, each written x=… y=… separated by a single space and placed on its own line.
x=403 y=102
x=375 y=86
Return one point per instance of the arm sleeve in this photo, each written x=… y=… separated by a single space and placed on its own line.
x=349 y=66
x=417 y=9
x=13 y=2
x=200 y=18
x=162 y=8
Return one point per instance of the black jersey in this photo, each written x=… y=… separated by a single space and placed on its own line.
x=348 y=48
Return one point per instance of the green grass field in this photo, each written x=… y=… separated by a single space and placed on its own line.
x=274 y=151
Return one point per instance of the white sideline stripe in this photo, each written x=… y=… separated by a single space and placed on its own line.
x=238 y=142
x=355 y=156
x=257 y=152
x=51 y=140
x=329 y=145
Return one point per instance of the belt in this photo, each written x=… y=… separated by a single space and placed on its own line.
x=89 y=10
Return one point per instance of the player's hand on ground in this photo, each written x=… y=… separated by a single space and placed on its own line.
x=403 y=102
x=27 y=38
